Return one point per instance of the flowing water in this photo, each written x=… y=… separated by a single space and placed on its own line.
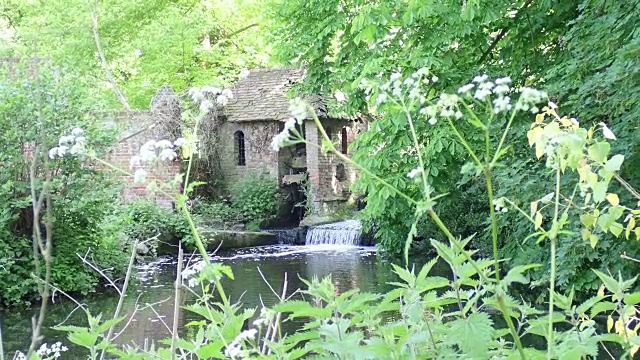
x=343 y=233
x=151 y=293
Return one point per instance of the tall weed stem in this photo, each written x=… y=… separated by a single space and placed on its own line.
x=553 y=237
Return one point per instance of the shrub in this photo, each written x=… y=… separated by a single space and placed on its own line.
x=145 y=219
x=33 y=111
x=216 y=212
x=255 y=197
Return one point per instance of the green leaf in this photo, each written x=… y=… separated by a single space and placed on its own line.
x=599 y=151
x=473 y=335
x=610 y=283
x=299 y=308
x=83 y=338
x=614 y=163
x=632 y=299
x=516 y=274
x=602 y=307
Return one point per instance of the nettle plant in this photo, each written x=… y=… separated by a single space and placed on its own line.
x=424 y=316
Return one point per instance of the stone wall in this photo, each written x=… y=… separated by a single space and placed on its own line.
x=259 y=157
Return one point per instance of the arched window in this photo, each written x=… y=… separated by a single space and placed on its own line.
x=240 y=150
x=329 y=132
x=345 y=140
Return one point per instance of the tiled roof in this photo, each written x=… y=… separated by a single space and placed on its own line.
x=262 y=95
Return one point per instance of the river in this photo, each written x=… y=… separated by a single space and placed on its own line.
x=150 y=296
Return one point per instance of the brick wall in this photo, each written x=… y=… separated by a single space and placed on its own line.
x=330 y=177
x=137 y=129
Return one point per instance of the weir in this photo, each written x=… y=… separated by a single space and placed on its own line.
x=340 y=233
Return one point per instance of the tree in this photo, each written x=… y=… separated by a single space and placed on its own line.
x=579 y=51
x=146 y=44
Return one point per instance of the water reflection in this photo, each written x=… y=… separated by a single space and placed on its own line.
x=149 y=304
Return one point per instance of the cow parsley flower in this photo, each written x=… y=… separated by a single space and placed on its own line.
x=196 y=95
x=480 y=78
x=499 y=204
x=430 y=110
x=163 y=144
x=414 y=173
x=395 y=76
x=481 y=94
x=62 y=150
x=501 y=104
x=503 y=81
x=167 y=154
x=212 y=90
x=135 y=161
x=65 y=140
x=282 y=138
x=501 y=89
x=382 y=97
x=227 y=93
x=77 y=149
x=140 y=176
x=180 y=142
x=298 y=108
x=465 y=88
x=77 y=131
x=206 y=105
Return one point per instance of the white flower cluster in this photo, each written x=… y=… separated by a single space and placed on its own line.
x=415 y=173
x=499 y=205
x=152 y=151
x=395 y=87
x=265 y=317
x=499 y=90
x=283 y=137
x=234 y=349
x=45 y=352
x=300 y=111
x=73 y=144
x=190 y=273
x=205 y=96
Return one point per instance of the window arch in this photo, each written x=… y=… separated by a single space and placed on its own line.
x=241 y=159
x=329 y=132
x=345 y=140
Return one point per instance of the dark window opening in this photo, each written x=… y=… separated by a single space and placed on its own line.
x=329 y=132
x=240 y=149
x=345 y=140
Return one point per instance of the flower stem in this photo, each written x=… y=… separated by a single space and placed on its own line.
x=553 y=237
x=494 y=222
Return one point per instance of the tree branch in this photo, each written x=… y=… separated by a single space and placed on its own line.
x=103 y=58
x=503 y=33
x=228 y=37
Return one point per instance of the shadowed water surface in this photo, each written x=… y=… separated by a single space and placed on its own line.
x=151 y=293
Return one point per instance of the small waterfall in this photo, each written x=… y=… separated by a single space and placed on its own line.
x=340 y=233
x=286 y=236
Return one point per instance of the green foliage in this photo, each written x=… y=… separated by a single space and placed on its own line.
x=255 y=197
x=584 y=56
x=34 y=108
x=180 y=43
x=219 y=213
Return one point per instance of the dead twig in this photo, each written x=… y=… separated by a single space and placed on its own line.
x=122 y=292
x=176 y=303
